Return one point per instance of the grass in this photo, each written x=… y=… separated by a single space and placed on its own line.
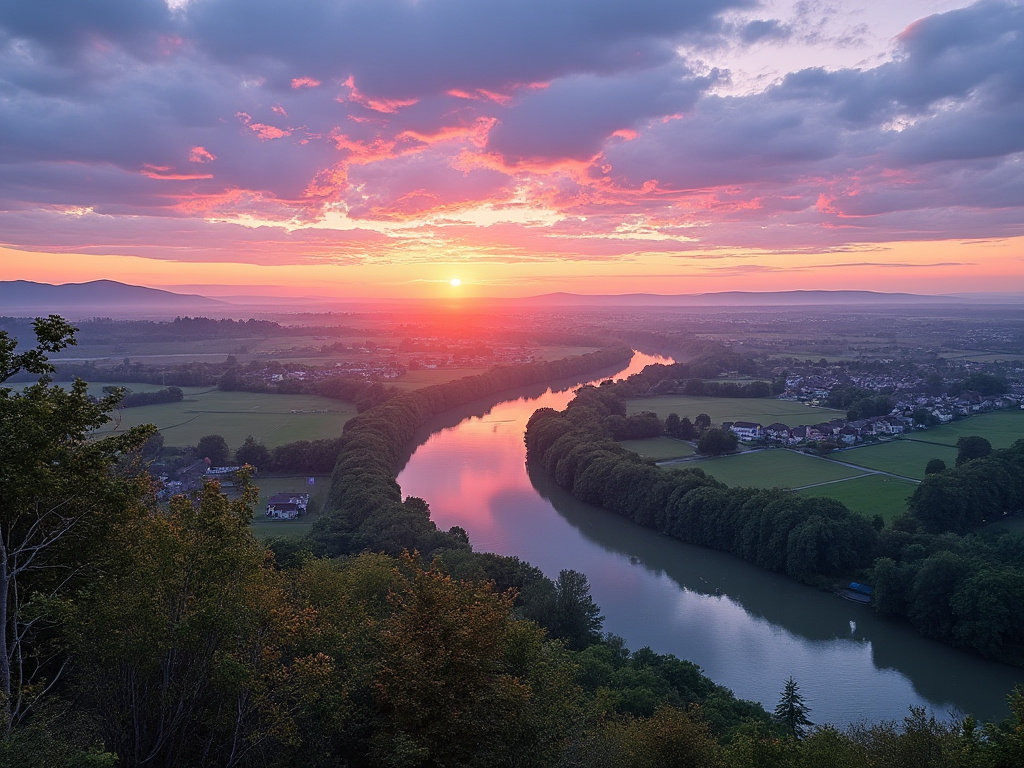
x=901 y=457
x=869 y=496
x=659 y=448
x=1001 y=428
x=771 y=469
x=763 y=410
x=425 y=377
x=234 y=415
x=264 y=528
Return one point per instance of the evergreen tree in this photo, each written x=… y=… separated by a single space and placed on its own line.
x=791 y=711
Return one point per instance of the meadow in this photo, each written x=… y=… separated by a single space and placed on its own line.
x=772 y=468
x=763 y=410
x=425 y=377
x=1001 y=428
x=907 y=457
x=659 y=448
x=868 y=495
x=234 y=415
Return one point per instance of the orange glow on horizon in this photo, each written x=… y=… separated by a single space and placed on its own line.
x=919 y=267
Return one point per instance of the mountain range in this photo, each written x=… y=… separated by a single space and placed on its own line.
x=112 y=298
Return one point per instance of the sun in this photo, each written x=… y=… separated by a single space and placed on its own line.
x=455 y=282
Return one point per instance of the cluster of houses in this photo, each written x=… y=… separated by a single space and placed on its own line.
x=843 y=432
x=836 y=430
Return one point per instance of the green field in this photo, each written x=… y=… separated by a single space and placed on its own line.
x=1001 y=428
x=869 y=496
x=234 y=415
x=424 y=377
x=659 y=448
x=906 y=457
x=776 y=468
x=264 y=528
x=763 y=410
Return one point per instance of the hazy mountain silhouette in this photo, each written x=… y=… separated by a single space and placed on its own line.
x=98 y=297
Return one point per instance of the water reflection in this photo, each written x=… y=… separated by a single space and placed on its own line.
x=747 y=628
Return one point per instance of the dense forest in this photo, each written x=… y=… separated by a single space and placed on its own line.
x=140 y=634
x=960 y=589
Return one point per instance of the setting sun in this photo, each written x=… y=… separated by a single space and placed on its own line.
x=455 y=282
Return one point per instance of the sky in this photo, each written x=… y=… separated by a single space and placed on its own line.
x=386 y=148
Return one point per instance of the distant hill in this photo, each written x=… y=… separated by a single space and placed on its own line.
x=739 y=299
x=107 y=298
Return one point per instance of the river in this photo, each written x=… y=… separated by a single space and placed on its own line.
x=747 y=628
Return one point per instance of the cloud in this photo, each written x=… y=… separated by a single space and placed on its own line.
x=529 y=129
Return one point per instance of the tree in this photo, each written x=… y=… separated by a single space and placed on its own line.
x=702 y=422
x=577 y=618
x=686 y=429
x=59 y=497
x=215 y=448
x=715 y=442
x=934 y=466
x=972 y=447
x=672 y=424
x=791 y=711
x=252 y=453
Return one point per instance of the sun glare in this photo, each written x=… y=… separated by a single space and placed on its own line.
x=455 y=282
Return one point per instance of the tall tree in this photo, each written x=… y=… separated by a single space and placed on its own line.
x=577 y=618
x=59 y=494
x=791 y=711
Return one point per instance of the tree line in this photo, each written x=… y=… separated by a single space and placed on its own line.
x=959 y=589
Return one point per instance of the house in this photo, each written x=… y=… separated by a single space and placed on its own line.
x=746 y=430
x=778 y=432
x=849 y=435
x=287 y=506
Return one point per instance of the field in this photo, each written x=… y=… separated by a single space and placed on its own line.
x=870 y=495
x=424 y=377
x=234 y=415
x=763 y=410
x=1001 y=428
x=659 y=448
x=905 y=457
x=264 y=528
x=775 y=468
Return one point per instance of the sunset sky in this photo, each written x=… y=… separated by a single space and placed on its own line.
x=364 y=148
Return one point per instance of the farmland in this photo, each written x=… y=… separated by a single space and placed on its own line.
x=271 y=419
x=905 y=457
x=760 y=409
x=776 y=468
x=868 y=495
x=659 y=448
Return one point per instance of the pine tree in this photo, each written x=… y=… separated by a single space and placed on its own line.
x=791 y=711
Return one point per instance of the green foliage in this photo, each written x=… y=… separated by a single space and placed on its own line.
x=59 y=499
x=215 y=448
x=791 y=711
x=934 y=466
x=716 y=442
x=577 y=619
x=972 y=447
x=253 y=453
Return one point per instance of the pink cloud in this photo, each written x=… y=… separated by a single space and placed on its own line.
x=382 y=105
x=201 y=155
x=166 y=173
x=264 y=131
x=304 y=82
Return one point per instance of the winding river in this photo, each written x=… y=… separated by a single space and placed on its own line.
x=747 y=628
